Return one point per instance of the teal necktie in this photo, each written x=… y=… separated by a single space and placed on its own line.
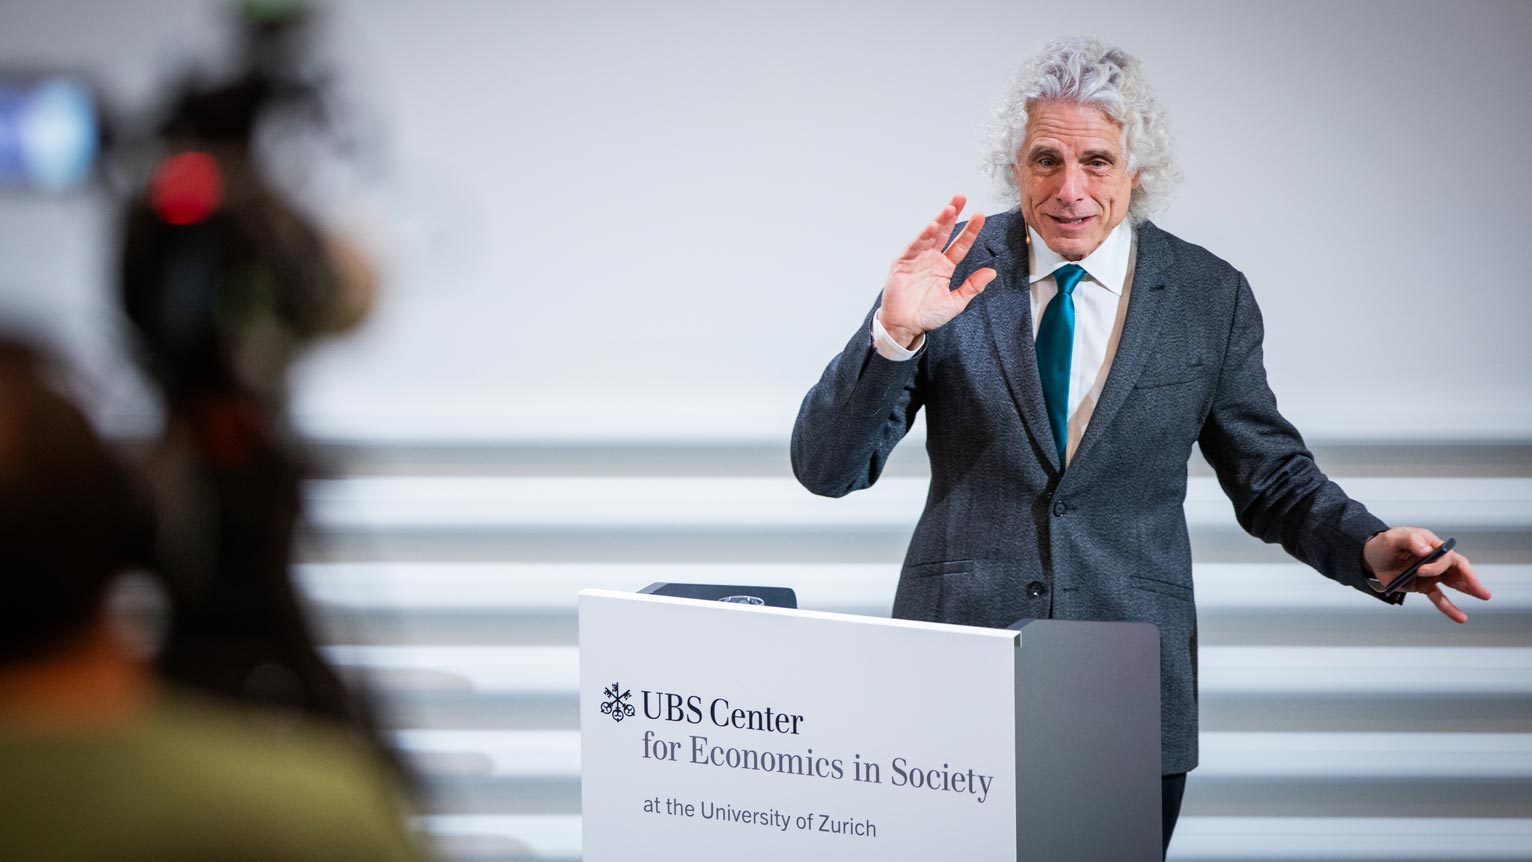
x=1055 y=348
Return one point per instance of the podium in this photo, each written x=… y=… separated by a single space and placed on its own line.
x=713 y=730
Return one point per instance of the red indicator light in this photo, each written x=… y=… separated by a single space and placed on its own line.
x=187 y=188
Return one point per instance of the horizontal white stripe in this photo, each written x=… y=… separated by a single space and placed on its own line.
x=547 y=838
x=554 y=587
x=1355 y=671
x=474 y=424
x=1309 y=756
x=460 y=504
x=1382 y=839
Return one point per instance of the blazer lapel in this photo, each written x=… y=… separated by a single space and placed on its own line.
x=1008 y=313
x=1146 y=303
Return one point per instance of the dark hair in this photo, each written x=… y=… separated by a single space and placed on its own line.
x=70 y=517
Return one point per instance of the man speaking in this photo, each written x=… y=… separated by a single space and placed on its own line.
x=1069 y=354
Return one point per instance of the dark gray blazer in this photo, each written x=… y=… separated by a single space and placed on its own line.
x=1006 y=534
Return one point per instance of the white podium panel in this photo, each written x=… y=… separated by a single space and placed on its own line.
x=714 y=730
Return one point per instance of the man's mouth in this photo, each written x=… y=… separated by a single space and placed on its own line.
x=1071 y=222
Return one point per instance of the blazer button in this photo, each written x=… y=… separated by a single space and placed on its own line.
x=1060 y=507
x=1035 y=589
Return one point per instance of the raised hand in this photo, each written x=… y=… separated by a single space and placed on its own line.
x=1390 y=552
x=918 y=296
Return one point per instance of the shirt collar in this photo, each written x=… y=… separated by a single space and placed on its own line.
x=1107 y=265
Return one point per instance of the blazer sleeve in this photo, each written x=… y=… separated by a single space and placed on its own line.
x=852 y=418
x=1279 y=493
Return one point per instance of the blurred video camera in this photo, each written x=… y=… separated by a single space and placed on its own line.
x=223 y=278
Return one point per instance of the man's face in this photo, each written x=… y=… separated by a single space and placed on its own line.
x=1073 y=176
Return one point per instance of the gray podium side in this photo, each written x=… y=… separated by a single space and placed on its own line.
x=1087 y=741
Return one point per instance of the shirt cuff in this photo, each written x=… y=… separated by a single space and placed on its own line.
x=887 y=347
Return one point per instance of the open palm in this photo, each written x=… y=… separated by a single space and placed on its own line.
x=918 y=296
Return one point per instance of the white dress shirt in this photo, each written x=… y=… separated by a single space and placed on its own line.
x=1101 y=304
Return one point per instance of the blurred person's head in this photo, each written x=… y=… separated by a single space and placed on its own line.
x=150 y=777
x=70 y=519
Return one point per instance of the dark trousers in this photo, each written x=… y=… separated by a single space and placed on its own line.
x=1172 y=788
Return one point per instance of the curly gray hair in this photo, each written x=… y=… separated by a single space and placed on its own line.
x=1083 y=71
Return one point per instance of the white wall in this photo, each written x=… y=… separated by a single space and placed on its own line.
x=670 y=215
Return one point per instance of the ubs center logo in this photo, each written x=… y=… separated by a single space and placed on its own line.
x=616 y=704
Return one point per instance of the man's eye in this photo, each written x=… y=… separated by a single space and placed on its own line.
x=1100 y=163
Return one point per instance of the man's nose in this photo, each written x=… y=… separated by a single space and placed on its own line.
x=1072 y=185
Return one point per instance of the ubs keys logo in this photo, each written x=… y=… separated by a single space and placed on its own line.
x=616 y=704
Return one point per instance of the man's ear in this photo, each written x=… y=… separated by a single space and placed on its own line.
x=1136 y=176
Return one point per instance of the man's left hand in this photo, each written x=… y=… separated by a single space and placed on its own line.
x=1390 y=552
